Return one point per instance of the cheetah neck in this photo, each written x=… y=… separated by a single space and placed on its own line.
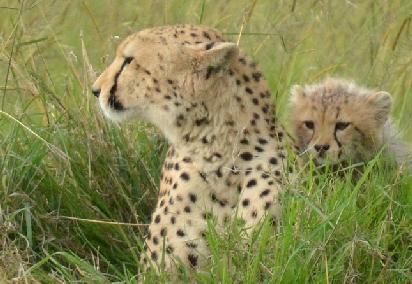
x=216 y=129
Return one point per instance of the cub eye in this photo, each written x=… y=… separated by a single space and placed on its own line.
x=309 y=124
x=341 y=125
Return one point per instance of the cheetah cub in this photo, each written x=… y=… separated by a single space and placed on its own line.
x=339 y=121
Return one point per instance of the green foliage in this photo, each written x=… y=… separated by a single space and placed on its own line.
x=74 y=187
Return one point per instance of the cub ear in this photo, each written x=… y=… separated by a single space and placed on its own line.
x=296 y=93
x=215 y=55
x=382 y=103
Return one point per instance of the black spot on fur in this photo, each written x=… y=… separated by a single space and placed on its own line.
x=259 y=149
x=157 y=219
x=203 y=176
x=264 y=193
x=251 y=183
x=201 y=121
x=185 y=176
x=254 y=214
x=192 y=197
x=213 y=197
x=244 y=141
x=212 y=70
x=247 y=156
x=256 y=76
x=219 y=172
x=207 y=215
x=191 y=245
x=187 y=160
x=206 y=35
x=180 y=233
x=273 y=161
x=169 y=249
x=223 y=203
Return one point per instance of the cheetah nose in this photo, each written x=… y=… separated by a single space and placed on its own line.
x=96 y=92
x=322 y=148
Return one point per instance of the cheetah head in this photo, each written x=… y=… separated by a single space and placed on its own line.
x=336 y=120
x=159 y=78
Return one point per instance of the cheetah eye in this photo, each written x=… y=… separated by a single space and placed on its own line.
x=341 y=125
x=309 y=124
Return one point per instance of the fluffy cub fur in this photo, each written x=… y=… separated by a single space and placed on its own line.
x=339 y=121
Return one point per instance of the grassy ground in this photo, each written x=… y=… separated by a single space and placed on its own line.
x=73 y=186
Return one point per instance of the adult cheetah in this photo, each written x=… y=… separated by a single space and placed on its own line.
x=228 y=152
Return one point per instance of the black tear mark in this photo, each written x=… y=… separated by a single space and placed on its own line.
x=336 y=139
x=360 y=132
x=113 y=101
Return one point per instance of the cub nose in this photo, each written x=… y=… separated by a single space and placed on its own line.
x=96 y=92
x=322 y=148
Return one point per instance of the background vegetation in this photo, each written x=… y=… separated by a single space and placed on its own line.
x=74 y=186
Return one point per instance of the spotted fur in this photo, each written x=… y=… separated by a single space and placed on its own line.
x=228 y=152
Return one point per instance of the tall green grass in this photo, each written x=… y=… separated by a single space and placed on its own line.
x=76 y=190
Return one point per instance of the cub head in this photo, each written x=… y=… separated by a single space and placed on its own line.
x=336 y=120
x=159 y=75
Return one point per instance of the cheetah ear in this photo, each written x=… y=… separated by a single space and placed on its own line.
x=296 y=93
x=214 y=54
x=381 y=102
